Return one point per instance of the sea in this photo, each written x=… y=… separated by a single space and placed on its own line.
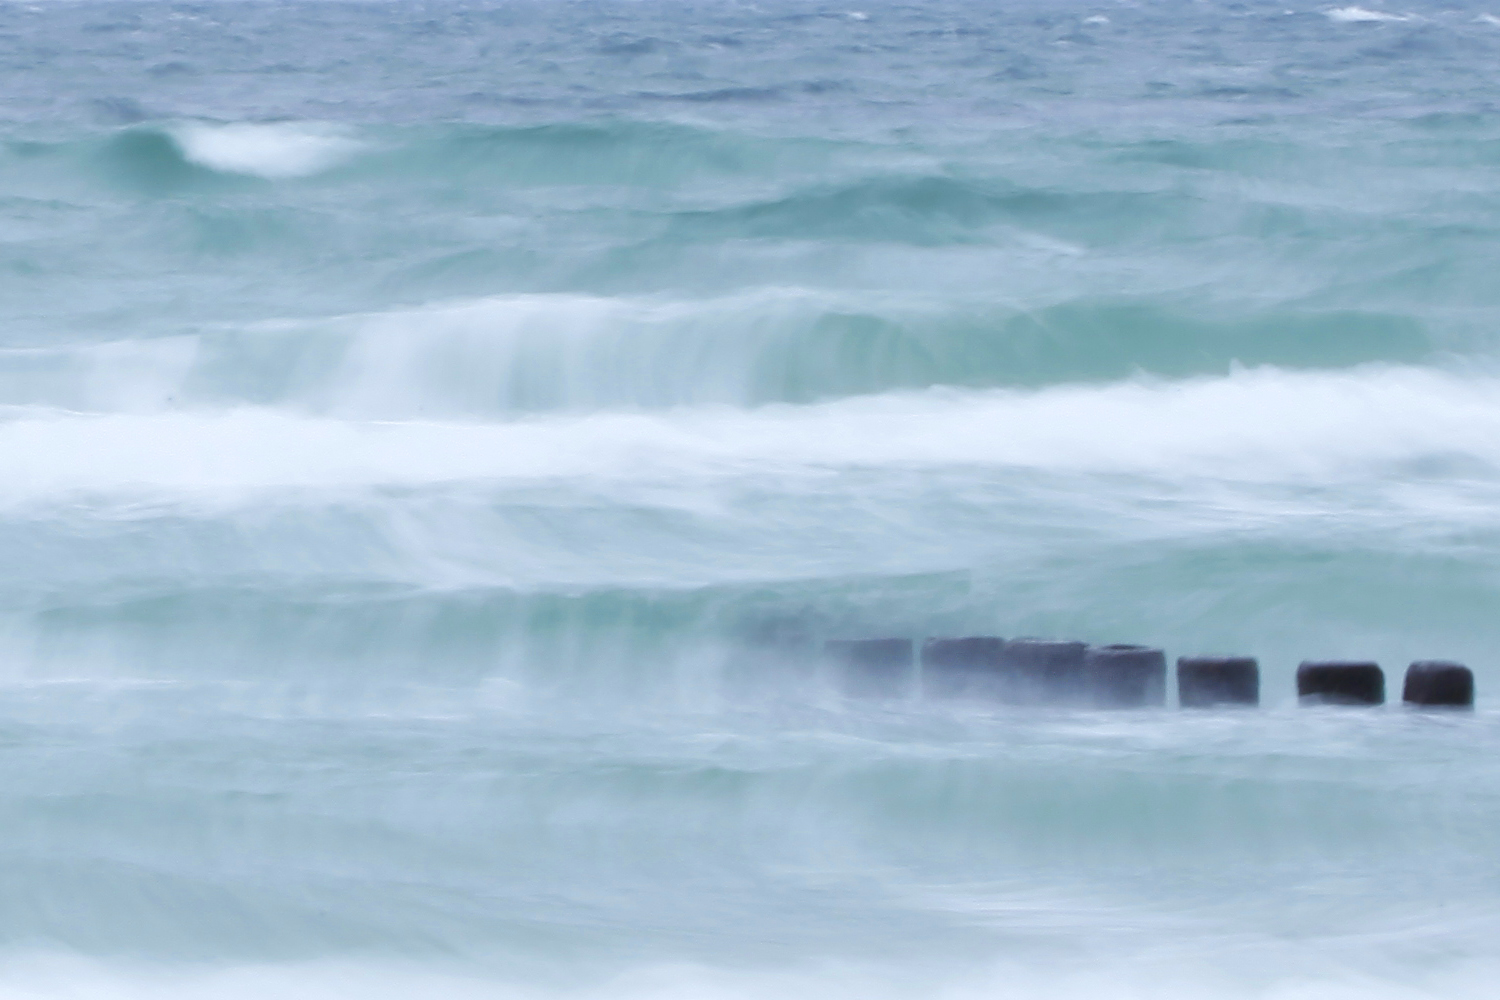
x=438 y=438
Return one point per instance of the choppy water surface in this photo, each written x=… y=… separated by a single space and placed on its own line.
x=432 y=436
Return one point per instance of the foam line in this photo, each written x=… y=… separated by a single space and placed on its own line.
x=1262 y=425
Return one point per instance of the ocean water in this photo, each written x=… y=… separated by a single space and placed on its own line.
x=437 y=436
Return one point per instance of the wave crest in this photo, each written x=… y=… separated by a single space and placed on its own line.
x=272 y=151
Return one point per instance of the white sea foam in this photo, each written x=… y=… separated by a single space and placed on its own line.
x=1356 y=15
x=1258 y=425
x=274 y=151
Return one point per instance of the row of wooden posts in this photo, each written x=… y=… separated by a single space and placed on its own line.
x=1047 y=671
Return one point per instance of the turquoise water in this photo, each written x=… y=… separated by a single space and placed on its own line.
x=435 y=439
